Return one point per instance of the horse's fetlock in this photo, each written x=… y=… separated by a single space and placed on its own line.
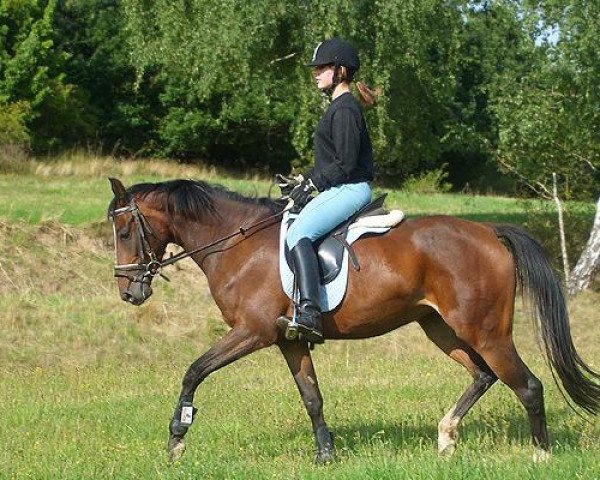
x=324 y=438
x=183 y=418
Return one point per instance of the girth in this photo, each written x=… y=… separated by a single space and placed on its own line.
x=330 y=248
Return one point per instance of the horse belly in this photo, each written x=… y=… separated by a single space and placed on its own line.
x=373 y=322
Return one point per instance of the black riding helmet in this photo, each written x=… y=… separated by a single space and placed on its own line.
x=337 y=52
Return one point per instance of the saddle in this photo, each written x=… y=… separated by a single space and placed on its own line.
x=330 y=248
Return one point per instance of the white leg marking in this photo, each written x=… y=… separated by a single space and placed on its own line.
x=541 y=456
x=177 y=451
x=448 y=433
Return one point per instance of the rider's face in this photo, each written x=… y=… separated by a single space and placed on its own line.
x=323 y=76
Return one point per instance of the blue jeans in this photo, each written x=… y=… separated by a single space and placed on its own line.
x=327 y=210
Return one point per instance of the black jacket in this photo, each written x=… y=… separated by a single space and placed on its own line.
x=343 y=151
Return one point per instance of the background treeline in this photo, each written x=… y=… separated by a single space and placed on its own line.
x=474 y=89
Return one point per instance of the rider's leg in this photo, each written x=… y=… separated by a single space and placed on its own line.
x=327 y=210
x=306 y=269
x=317 y=218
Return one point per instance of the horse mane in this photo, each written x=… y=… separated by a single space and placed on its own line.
x=194 y=198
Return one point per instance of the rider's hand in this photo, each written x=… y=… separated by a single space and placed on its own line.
x=301 y=193
x=287 y=184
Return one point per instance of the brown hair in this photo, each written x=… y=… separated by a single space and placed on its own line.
x=366 y=95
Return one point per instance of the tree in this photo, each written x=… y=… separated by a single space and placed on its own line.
x=124 y=110
x=550 y=115
x=589 y=261
x=32 y=74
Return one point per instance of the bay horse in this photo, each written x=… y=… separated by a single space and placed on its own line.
x=457 y=279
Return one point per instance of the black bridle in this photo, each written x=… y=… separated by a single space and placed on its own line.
x=145 y=270
x=153 y=266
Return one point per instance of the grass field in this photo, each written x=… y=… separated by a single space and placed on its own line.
x=89 y=383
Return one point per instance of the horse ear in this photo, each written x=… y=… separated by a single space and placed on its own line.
x=117 y=188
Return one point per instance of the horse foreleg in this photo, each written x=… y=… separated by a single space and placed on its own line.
x=483 y=378
x=298 y=358
x=236 y=344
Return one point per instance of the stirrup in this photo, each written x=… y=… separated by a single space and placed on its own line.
x=297 y=331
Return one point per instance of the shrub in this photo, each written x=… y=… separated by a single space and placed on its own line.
x=433 y=181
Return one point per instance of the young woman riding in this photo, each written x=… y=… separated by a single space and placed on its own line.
x=341 y=174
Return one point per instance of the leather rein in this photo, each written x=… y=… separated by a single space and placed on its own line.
x=154 y=265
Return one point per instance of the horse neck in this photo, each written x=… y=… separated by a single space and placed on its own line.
x=231 y=216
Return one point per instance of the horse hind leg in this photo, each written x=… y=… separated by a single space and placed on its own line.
x=502 y=357
x=483 y=378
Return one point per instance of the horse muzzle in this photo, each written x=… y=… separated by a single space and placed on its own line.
x=137 y=293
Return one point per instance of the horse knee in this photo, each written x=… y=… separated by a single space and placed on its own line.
x=313 y=404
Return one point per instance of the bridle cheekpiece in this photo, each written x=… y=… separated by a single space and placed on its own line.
x=153 y=266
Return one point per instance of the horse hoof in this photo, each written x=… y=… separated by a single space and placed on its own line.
x=324 y=456
x=176 y=449
x=447 y=450
x=541 y=456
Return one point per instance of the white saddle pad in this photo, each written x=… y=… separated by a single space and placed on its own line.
x=333 y=293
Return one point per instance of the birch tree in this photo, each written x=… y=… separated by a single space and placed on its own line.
x=589 y=261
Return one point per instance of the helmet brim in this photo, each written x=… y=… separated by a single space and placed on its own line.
x=318 y=64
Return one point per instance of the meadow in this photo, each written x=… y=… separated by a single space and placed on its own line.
x=89 y=383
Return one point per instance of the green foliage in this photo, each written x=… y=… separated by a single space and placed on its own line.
x=492 y=42
x=480 y=86
x=414 y=61
x=549 y=115
x=226 y=95
x=432 y=181
x=12 y=123
x=122 y=110
x=32 y=73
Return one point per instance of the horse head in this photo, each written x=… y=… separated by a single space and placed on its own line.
x=139 y=245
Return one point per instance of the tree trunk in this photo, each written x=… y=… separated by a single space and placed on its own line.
x=589 y=261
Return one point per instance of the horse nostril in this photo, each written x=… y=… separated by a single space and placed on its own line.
x=126 y=296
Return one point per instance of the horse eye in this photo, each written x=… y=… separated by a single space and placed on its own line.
x=124 y=234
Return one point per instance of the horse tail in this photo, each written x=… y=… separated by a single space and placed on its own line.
x=542 y=291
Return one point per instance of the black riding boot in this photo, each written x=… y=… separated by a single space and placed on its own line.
x=306 y=269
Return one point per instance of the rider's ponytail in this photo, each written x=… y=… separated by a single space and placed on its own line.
x=366 y=94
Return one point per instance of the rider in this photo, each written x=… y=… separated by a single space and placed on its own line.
x=341 y=174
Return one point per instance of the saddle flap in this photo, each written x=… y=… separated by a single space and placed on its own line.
x=334 y=264
x=330 y=248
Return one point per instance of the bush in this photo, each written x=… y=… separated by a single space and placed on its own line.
x=433 y=181
x=12 y=124
x=14 y=158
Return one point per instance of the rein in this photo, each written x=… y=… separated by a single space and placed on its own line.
x=153 y=267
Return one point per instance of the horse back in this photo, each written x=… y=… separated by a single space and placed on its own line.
x=439 y=262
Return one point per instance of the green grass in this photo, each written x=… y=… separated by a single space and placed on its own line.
x=110 y=421
x=89 y=383
x=76 y=195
